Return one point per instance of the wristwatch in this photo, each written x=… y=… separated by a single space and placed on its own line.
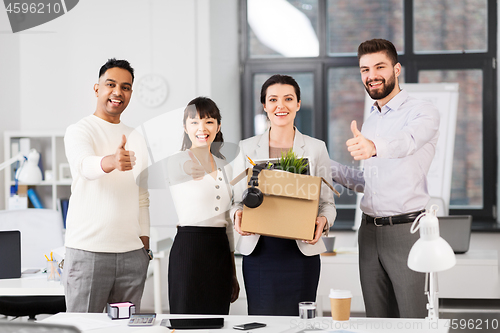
x=150 y=254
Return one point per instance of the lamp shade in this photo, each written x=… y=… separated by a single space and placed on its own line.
x=430 y=253
x=431 y=256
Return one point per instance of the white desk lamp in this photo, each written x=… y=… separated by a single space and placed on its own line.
x=29 y=172
x=430 y=254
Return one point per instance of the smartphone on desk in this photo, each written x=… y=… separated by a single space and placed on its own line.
x=193 y=323
x=249 y=326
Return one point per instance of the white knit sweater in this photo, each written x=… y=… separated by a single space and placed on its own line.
x=108 y=212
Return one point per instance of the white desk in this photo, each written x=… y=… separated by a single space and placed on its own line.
x=274 y=324
x=340 y=272
x=31 y=285
x=37 y=284
x=475 y=276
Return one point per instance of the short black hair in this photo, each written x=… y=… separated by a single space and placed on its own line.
x=378 y=45
x=112 y=63
x=279 y=79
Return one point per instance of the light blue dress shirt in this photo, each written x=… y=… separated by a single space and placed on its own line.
x=394 y=182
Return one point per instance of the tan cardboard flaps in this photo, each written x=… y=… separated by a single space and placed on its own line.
x=269 y=190
x=237 y=179
x=286 y=184
x=290 y=205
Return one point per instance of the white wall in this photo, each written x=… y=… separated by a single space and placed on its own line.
x=48 y=72
x=9 y=86
x=60 y=59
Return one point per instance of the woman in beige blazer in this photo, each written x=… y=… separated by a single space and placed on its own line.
x=280 y=273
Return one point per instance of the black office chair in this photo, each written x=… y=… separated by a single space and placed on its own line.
x=27 y=327
x=41 y=231
x=20 y=306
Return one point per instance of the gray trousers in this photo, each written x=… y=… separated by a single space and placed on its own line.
x=92 y=279
x=390 y=288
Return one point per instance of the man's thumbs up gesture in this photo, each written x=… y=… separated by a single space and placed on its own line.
x=360 y=147
x=122 y=160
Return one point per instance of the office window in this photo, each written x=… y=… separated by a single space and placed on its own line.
x=437 y=41
x=350 y=21
x=450 y=26
x=279 y=28
x=467 y=176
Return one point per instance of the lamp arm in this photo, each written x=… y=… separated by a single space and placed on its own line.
x=19 y=157
x=431 y=291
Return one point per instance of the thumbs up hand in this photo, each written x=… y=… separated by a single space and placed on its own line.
x=354 y=129
x=124 y=159
x=360 y=147
x=124 y=142
x=194 y=168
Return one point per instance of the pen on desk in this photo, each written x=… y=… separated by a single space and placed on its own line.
x=251 y=162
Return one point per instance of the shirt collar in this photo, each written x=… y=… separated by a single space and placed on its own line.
x=393 y=104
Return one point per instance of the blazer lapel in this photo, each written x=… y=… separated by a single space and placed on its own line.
x=262 y=149
x=298 y=144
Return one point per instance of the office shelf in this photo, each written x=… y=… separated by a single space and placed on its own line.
x=50 y=145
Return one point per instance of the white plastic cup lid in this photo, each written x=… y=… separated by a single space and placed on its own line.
x=335 y=293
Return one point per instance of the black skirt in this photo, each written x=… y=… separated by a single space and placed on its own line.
x=278 y=276
x=200 y=271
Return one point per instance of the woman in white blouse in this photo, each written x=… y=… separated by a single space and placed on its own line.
x=201 y=275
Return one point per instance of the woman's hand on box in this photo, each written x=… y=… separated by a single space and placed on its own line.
x=320 y=226
x=237 y=223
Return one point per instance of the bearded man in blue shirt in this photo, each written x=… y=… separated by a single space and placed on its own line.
x=397 y=143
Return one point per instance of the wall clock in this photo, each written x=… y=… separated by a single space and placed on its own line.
x=152 y=90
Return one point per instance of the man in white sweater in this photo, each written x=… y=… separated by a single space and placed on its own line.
x=107 y=226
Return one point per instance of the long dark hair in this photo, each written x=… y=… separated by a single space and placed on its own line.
x=205 y=108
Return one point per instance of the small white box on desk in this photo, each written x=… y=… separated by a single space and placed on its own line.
x=120 y=310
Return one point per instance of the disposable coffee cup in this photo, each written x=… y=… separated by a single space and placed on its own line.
x=340 y=301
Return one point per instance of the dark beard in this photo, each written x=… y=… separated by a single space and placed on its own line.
x=386 y=90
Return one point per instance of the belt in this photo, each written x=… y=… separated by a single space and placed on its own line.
x=395 y=219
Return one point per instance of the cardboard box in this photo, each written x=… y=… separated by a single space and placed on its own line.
x=290 y=205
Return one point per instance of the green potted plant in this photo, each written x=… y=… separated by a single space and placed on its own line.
x=291 y=163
